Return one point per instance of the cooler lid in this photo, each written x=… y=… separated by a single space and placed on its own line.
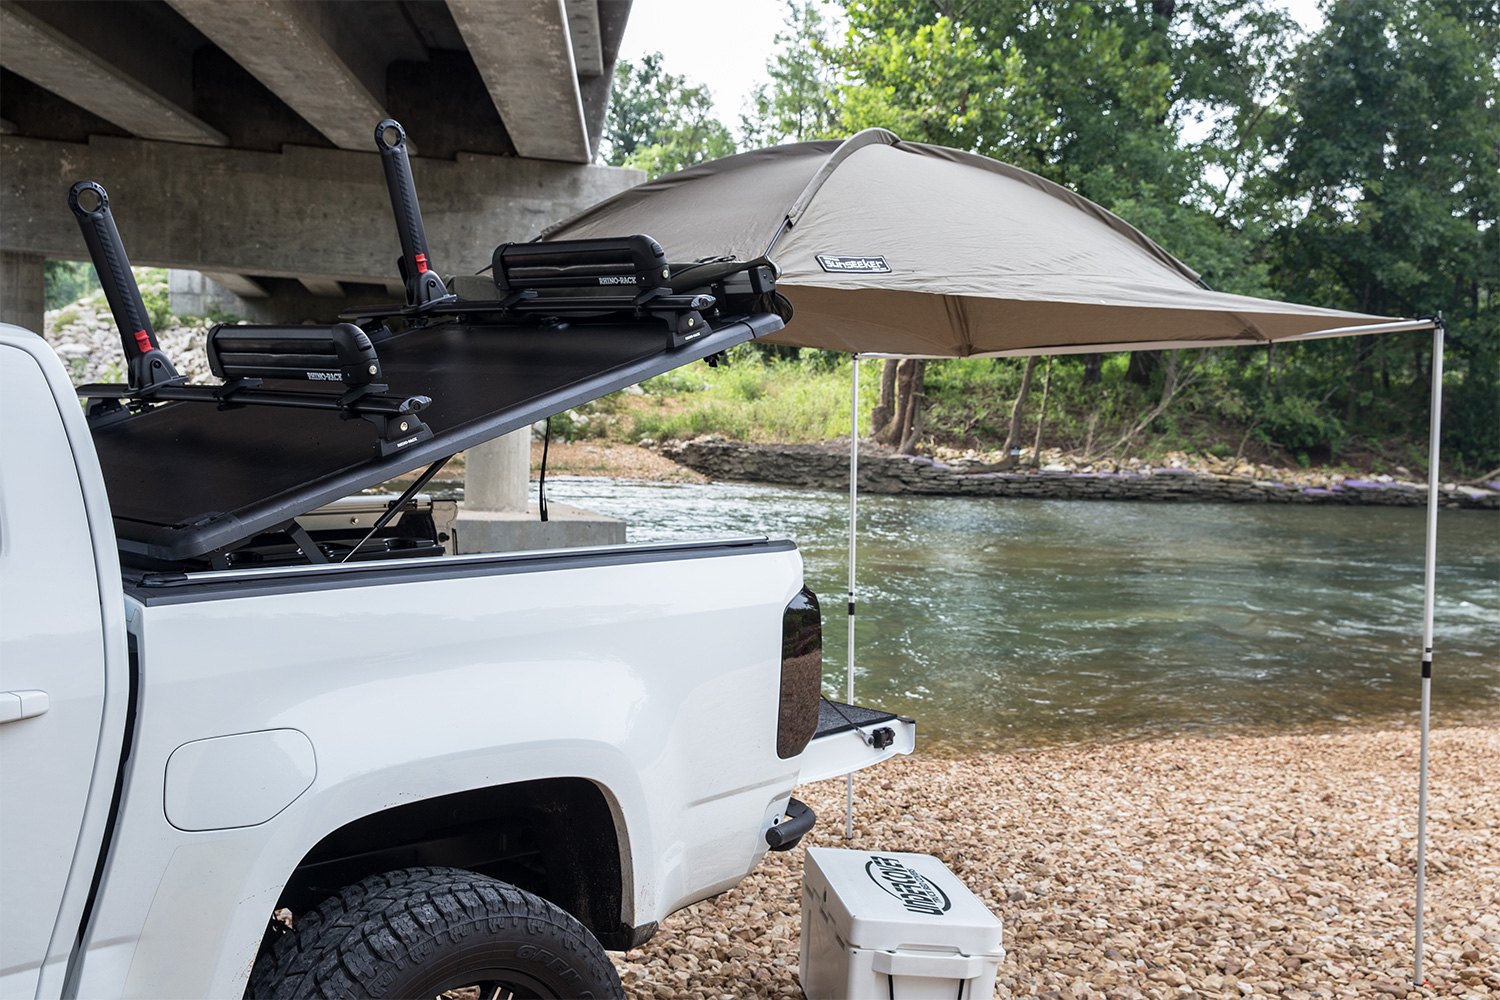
x=888 y=901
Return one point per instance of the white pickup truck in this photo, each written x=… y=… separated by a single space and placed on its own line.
x=243 y=753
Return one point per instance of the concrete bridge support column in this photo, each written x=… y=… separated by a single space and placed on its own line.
x=496 y=516
x=497 y=472
x=22 y=289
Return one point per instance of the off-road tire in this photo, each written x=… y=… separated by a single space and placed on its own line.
x=421 y=931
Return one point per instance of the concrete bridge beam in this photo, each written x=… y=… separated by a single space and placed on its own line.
x=305 y=55
x=583 y=32
x=525 y=56
x=318 y=213
x=245 y=288
x=93 y=69
x=325 y=287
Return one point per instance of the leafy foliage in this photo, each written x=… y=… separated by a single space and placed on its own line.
x=1392 y=189
x=1357 y=168
x=68 y=281
x=659 y=122
x=799 y=102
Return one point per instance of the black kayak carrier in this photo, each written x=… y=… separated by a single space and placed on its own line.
x=459 y=362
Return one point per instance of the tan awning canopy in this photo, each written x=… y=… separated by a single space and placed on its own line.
x=891 y=247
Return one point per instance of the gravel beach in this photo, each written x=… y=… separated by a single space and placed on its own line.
x=1247 y=866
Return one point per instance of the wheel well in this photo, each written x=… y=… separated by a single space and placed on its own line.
x=554 y=837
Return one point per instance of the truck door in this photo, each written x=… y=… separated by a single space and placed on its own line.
x=52 y=667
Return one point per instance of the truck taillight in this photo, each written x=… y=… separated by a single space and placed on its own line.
x=801 y=673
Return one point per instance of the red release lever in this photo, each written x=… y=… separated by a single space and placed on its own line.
x=421 y=263
x=143 y=341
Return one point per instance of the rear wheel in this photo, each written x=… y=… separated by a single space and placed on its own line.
x=434 y=932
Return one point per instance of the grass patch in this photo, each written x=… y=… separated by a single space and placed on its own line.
x=749 y=399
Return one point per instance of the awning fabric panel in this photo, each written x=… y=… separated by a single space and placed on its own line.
x=984 y=258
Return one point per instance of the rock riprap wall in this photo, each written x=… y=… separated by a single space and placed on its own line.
x=826 y=466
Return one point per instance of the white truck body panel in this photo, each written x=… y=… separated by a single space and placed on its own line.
x=62 y=632
x=643 y=720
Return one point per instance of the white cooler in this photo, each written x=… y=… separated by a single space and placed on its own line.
x=893 y=927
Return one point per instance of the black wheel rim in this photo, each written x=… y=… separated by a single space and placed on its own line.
x=494 y=984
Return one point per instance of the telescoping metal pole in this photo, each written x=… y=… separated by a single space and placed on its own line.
x=853 y=523
x=1435 y=425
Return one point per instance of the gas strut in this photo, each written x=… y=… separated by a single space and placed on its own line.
x=147 y=366
x=423 y=286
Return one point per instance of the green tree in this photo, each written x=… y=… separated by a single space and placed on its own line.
x=1091 y=95
x=659 y=122
x=1391 y=185
x=67 y=281
x=800 y=102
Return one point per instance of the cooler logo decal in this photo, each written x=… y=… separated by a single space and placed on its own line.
x=858 y=265
x=914 y=891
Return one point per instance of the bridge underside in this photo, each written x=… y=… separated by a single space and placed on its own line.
x=236 y=139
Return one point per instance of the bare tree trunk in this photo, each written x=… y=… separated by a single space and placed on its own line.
x=897 y=427
x=1014 y=434
x=1041 y=417
x=1142 y=366
x=913 y=424
x=1093 y=369
x=885 y=409
x=901 y=399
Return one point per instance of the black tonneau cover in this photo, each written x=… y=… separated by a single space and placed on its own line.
x=186 y=479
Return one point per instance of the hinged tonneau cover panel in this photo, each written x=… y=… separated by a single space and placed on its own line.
x=185 y=479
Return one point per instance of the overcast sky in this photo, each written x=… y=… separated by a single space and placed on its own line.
x=725 y=43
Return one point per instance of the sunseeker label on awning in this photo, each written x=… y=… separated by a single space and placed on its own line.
x=854 y=265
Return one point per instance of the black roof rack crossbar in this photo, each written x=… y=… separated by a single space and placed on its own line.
x=621 y=279
x=395 y=418
x=339 y=356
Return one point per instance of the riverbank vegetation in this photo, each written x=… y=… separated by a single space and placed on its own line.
x=1246 y=404
x=1356 y=167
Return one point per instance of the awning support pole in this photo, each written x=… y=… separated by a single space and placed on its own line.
x=1434 y=424
x=853 y=524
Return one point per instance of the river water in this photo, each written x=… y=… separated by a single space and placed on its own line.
x=1003 y=624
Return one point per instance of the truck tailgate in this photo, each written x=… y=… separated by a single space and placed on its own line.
x=852 y=737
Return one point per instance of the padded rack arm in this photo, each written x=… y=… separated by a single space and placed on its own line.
x=146 y=364
x=423 y=286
